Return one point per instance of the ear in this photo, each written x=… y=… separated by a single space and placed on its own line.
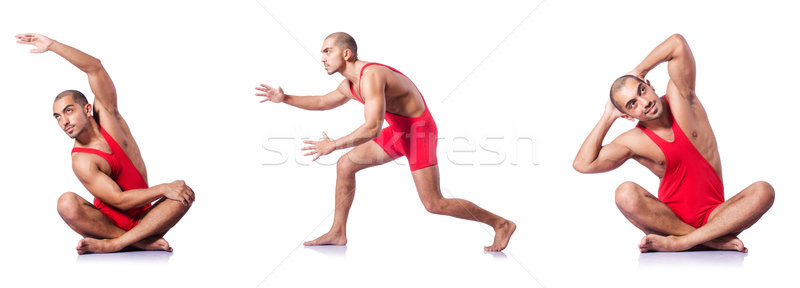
x=628 y=117
x=348 y=54
x=87 y=109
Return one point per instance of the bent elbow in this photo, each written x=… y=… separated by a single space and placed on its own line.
x=578 y=167
x=375 y=132
x=582 y=167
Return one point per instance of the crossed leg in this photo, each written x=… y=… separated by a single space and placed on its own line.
x=666 y=232
x=427 y=182
x=101 y=236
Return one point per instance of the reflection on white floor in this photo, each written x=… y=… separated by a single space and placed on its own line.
x=154 y=257
x=692 y=258
x=330 y=251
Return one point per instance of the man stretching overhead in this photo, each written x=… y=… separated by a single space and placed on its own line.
x=106 y=159
x=674 y=140
x=386 y=94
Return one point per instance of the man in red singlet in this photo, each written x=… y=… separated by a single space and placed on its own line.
x=674 y=140
x=387 y=95
x=106 y=159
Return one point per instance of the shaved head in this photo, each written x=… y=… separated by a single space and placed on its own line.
x=76 y=95
x=618 y=85
x=345 y=41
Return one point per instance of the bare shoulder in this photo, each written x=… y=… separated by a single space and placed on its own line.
x=378 y=72
x=84 y=165
x=632 y=139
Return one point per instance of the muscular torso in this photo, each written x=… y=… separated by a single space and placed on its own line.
x=118 y=129
x=692 y=118
x=402 y=96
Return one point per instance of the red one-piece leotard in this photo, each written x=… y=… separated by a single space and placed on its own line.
x=127 y=177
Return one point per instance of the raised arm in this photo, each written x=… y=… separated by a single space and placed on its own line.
x=105 y=189
x=328 y=101
x=681 y=66
x=593 y=157
x=101 y=84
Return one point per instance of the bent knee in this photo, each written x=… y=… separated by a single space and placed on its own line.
x=764 y=192
x=68 y=204
x=434 y=206
x=626 y=194
x=345 y=165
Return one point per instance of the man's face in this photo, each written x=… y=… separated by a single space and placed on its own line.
x=71 y=117
x=639 y=101
x=332 y=56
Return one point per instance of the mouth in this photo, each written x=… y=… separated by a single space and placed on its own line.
x=69 y=129
x=652 y=107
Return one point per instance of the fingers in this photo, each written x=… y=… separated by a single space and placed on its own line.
x=325 y=135
x=312 y=142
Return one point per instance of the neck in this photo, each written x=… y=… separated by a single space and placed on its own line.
x=90 y=134
x=660 y=122
x=352 y=70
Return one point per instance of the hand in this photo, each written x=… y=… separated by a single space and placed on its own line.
x=638 y=74
x=180 y=192
x=41 y=42
x=613 y=112
x=321 y=147
x=271 y=94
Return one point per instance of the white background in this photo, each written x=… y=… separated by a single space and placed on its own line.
x=185 y=72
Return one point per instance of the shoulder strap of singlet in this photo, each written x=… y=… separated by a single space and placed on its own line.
x=95 y=151
x=390 y=68
x=90 y=151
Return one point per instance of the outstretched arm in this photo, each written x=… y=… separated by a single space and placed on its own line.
x=325 y=102
x=681 y=66
x=373 y=87
x=105 y=189
x=101 y=84
x=593 y=157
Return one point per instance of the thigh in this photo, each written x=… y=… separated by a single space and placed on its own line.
x=427 y=182
x=750 y=198
x=90 y=220
x=366 y=155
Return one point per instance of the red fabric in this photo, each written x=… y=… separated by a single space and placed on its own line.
x=690 y=186
x=413 y=137
x=127 y=177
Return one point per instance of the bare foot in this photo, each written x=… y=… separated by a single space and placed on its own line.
x=502 y=233
x=329 y=238
x=159 y=244
x=653 y=242
x=727 y=243
x=91 y=245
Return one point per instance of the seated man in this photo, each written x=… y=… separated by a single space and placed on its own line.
x=674 y=140
x=106 y=159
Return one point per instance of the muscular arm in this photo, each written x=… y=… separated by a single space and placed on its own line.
x=105 y=189
x=681 y=66
x=593 y=157
x=325 y=102
x=103 y=88
x=328 y=101
x=373 y=90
